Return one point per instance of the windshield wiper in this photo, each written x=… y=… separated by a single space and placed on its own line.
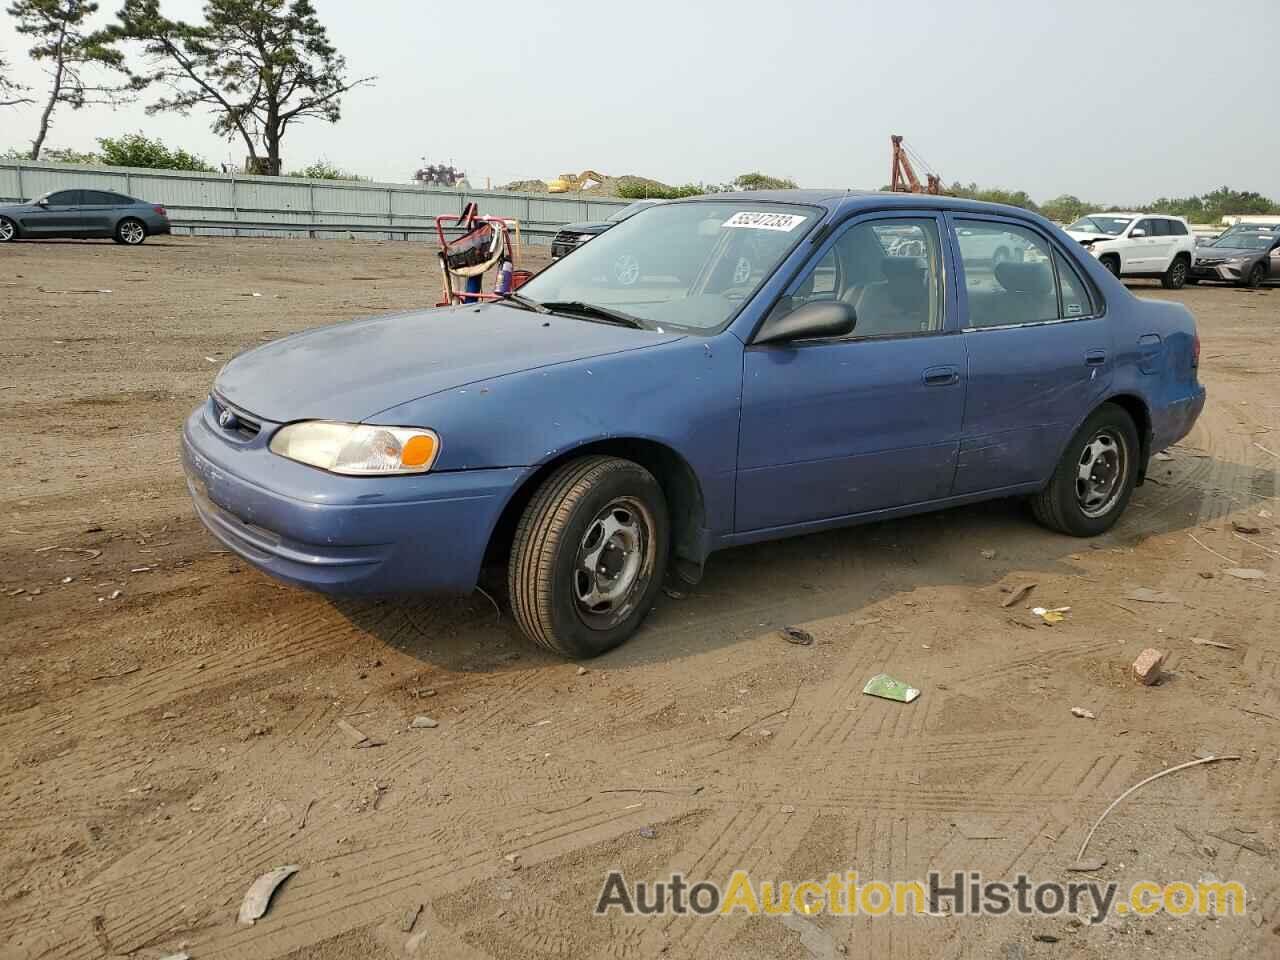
x=522 y=301
x=595 y=310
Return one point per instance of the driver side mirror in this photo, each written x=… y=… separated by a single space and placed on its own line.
x=1138 y=233
x=42 y=202
x=815 y=320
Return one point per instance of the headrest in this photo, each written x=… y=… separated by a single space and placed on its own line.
x=1024 y=277
x=903 y=269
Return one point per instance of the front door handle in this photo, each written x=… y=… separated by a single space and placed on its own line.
x=943 y=376
x=1095 y=358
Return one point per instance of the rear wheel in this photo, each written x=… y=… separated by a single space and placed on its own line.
x=589 y=556
x=8 y=230
x=1095 y=477
x=1255 y=276
x=1176 y=275
x=130 y=232
x=1112 y=263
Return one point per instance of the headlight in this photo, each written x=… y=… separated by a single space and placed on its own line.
x=357 y=449
x=584 y=237
x=1236 y=261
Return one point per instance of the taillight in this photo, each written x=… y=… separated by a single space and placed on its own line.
x=1195 y=350
x=160 y=210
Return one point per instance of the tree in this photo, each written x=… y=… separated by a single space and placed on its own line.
x=322 y=169
x=1066 y=208
x=72 y=53
x=259 y=65
x=11 y=92
x=761 y=181
x=138 y=150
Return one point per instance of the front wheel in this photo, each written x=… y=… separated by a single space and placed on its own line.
x=1175 y=276
x=1112 y=264
x=8 y=230
x=130 y=232
x=589 y=556
x=1094 y=479
x=1255 y=276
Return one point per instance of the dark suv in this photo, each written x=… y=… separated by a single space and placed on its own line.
x=574 y=235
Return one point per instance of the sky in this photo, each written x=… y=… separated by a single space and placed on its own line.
x=1113 y=101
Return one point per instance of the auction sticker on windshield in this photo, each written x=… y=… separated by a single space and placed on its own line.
x=766 y=221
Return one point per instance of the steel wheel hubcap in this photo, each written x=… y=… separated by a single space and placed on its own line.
x=627 y=269
x=132 y=233
x=1100 y=473
x=614 y=561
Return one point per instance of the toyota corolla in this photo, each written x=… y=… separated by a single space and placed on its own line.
x=815 y=359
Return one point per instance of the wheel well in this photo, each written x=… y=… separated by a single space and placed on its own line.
x=1141 y=416
x=1110 y=255
x=678 y=481
x=1182 y=256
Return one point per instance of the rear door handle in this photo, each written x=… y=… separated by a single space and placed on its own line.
x=1095 y=358
x=943 y=376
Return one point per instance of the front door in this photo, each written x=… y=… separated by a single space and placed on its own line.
x=870 y=421
x=60 y=215
x=1039 y=358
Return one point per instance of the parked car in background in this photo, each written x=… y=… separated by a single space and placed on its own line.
x=83 y=213
x=1139 y=245
x=1246 y=255
x=587 y=437
x=573 y=235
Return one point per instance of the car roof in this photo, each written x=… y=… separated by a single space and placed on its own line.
x=849 y=201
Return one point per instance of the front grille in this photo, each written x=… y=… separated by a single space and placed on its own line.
x=235 y=423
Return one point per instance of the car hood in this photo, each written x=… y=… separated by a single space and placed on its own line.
x=16 y=208
x=1228 y=252
x=1088 y=235
x=351 y=371
x=590 y=226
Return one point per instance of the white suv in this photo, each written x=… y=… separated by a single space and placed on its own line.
x=1139 y=245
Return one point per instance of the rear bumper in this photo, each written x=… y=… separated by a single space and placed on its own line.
x=343 y=535
x=159 y=229
x=1175 y=420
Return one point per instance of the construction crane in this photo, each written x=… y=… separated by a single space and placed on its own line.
x=903 y=178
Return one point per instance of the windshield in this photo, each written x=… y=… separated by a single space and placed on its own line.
x=1111 y=226
x=1246 y=240
x=688 y=265
x=629 y=210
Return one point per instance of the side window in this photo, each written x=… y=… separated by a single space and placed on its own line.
x=1075 y=295
x=1177 y=228
x=1163 y=228
x=1008 y=275
x=119 y=200
x=1145 y=226
x=889 y=271
x=65 y=198
x=96 y=198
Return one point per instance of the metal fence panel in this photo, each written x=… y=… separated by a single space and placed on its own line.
x=220 y=204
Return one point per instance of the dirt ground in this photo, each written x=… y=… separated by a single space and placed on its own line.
x=169 y=718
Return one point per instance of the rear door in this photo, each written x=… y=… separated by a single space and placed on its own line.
x=100 y=210
x=1039 y=355
x=1162 y=249
x=851 y=425
x=1142 y=250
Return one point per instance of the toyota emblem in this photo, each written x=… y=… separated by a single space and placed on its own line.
x=227 y=420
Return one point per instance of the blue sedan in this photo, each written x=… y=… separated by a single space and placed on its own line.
x=783 y=362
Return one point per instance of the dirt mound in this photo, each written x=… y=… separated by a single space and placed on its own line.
x=610 y=187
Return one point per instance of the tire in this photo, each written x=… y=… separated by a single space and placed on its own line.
x=1255 y=277
x=8 y=230
x=1086 y=507
x=1176 y=276
x=1112 y=263
x=130 y=232
x=594 y=510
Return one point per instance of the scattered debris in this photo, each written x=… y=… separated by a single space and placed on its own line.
x=674 y=594
x=1087 y=866
x=409 y=918
x=1246 y=573
x=884 y=686
x=112 y=676
x=1147 y=595
x=180 y=955
x=1238 y=838
x=1259 y=713
x=1206 y=574
x=788 y=808
x=358 y=739
x=767 y=716
x=1200 y=641
x=648 y=833
x=306 y=811
x=1044 y=938
x=1141 y=783
x=1051 y=615
x=1019 y=593
x=258 y=899
x=424 y=723
x=582 y=671
x=801 y=638
x=988 y=554
x=115 y=595
x=1082 y=713
x=1163 y=456
x=1147 y=668
x=866 y=621
x=1220 y=556
x=1239 y=527
x=99 y=925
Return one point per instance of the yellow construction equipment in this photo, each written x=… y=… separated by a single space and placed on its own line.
x=573 y=182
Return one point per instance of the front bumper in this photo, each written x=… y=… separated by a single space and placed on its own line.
x=1221 y=271
x=346 y=535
